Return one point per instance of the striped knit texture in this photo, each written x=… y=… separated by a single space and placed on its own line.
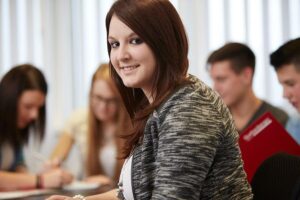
x=190 y=150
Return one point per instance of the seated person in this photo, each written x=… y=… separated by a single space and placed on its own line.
x=232 y=68
x=286 y=62
x=95 y=130
x=183 y=143
x=22 y=112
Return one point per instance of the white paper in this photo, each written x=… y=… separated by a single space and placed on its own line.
x=80 y=185
x=24 y=193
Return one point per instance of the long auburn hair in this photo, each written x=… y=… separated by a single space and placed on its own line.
x=17 y=80
x=160 y=27
x=95 y=134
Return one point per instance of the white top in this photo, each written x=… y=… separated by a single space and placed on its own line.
x=77 y=126
x=108 y=158
x=125 y=179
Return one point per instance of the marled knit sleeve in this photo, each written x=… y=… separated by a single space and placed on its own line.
x=197 y=154
x=186 y=148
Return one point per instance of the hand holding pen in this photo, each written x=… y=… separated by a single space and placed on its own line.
x=47 y=164
x=52 y=176
x=56 y=178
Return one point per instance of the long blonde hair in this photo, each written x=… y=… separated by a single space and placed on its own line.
x=95 y=134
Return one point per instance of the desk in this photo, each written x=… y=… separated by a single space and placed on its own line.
x=67 y=193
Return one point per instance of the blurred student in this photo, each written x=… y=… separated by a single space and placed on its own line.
x=183 y=144
x=94 y=131
x=231 y=68
x=286 y=62
x=22 y=112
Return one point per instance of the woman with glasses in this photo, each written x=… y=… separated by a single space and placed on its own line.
x=94 y=131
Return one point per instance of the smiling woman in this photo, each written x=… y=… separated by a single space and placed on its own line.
x=131 y=56
x=183 y=144
x=74 y=54
x=22 y=111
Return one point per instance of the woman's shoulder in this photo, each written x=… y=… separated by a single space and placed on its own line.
x=79 y=115
x=77 y=120
x=195 y=94
x=199 y=89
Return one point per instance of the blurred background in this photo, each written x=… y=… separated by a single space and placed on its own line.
x=67 y=40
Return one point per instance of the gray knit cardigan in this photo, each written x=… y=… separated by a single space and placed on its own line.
x=190 y=150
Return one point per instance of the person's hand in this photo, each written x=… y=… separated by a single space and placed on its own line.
x=51 y=164
x=56 y=178
x=59 y=197
x=103 y=180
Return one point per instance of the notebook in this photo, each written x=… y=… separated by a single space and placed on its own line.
x=263 y=138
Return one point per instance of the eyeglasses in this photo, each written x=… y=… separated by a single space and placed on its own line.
x=97 y=99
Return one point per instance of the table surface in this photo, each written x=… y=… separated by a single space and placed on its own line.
x=68 y=193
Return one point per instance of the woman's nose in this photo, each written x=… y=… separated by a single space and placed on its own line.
x=123 y=53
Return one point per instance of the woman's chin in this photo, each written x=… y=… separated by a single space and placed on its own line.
x=129 y=84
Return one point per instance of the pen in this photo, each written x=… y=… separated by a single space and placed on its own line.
x=47 y=162
x=39 y=157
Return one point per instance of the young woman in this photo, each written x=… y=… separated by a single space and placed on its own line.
x=94 y=131
x=183 y=144
x=22 y=112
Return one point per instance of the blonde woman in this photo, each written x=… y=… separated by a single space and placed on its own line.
x=94 y=131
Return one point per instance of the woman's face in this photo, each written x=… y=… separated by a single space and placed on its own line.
x=131 y=57
x=29 y=105
x=104 y=101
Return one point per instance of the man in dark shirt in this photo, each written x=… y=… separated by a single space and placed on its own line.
x=231 y=68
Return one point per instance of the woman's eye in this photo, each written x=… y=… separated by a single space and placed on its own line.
x=136 y=41
x=114 y=44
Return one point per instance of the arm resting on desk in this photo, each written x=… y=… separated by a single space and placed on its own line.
x=15 y=181
x=20 y=181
